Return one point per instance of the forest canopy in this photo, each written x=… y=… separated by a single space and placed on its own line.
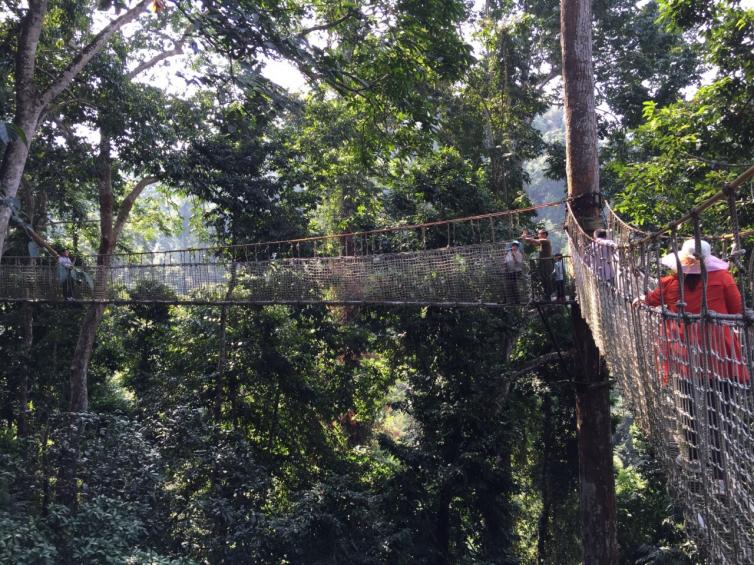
x=158 y=433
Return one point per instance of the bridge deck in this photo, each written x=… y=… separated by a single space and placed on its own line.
x=453 y=276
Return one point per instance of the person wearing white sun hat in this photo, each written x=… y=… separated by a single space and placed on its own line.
x=690 y=260
x=723 y=297
x=687 y=344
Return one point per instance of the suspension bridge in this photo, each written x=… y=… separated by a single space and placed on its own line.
x=685 y=373
x=460 y=262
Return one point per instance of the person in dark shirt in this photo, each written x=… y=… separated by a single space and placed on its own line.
x=545 y=259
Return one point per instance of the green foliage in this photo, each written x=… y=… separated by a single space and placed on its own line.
x=451 y=496
x=686 y=150
x=24 y=541
x=684 y=144
x=118 y=518
x=104 y=530
x=650 y=529
x=443 y=185
x=637 y=61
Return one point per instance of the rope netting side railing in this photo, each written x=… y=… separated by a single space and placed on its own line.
x=668 y=316
x=463 y=261
x=619 y=230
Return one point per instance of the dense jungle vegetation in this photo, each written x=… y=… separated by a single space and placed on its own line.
x=224 y=435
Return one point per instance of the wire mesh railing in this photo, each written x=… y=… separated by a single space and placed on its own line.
x=671 y=323
x=464 y=261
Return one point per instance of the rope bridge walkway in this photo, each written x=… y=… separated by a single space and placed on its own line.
x=686 y=371
x=460 y=262
x=683 y=365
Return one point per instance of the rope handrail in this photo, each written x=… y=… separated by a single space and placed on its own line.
x=334 y=236
x=466 y=260
x=621 y=221
x=729 y=188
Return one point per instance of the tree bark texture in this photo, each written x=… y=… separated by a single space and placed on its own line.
x=582 y=161
x=27 y=109
x=543 y=529
x=79 y=401
x=27 y=316
x=111 y=228
x=594 y=429
x=222 y=354
x=597 y=484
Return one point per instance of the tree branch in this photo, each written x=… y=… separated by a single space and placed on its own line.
x=68 y=134
x=38 y=239
x=26 y=56
x=553 y=74
x=128 y=203
x=326 y=26
x=539 y=362
x=88 y=52
x=176 y=50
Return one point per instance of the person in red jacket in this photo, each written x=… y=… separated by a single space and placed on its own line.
x=725 y=359
x=712 y=348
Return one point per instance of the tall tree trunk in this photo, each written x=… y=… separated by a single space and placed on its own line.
x=79 y=401
x=275 y=419
x=582 y=159
x=222 y=355
x=594 y=428
x=597 y=484
x=27 y=324
x=27 y=317
x=221 y=361
x=442 y=525
x=28 y=109
x=110 y=230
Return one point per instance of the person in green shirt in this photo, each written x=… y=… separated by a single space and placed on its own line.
x=545 y=259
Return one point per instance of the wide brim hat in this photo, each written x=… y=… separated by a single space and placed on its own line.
x=689 y=258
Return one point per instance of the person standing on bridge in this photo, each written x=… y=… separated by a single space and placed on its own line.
x=723 y=297
x=545 y=259
x=601 y=256
x=65 y=278
x=711 y=346
x=514 y=266
x=558 y=274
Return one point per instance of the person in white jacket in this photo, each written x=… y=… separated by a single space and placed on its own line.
x=602 y=256
x=513 y=264
x=65 y=266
